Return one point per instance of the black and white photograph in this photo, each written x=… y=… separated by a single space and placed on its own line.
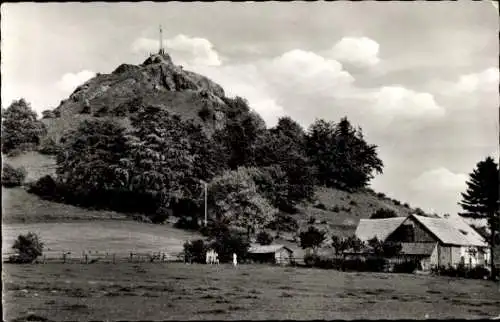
x=250 y=160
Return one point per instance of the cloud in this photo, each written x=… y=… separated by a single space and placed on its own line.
x=307 y=71
x=394 y=101
x=184 y=50
x=70 y=81
x=482 y=82
x=361 y=52
x=439 y=179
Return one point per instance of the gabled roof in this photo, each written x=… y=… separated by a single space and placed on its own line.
x=452 y=231
x=266 y=249
x=381 y=228
x=418 y=248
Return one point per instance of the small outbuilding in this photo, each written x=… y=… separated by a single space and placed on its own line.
x=277 y=254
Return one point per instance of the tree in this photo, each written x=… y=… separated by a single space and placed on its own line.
x=481 y=199
x=342 y=156
x=234 y=198
x=28 y=247
x=383 y=248
x=12 y=177
x=241 y=133
x=264 y=238
x=195 y=251
x=383 y=213
x=21 y=130
x=283 y=146
x=229 y=242
x=311 y=238
x=343 y=244
x=88 y=163
x=159 y=162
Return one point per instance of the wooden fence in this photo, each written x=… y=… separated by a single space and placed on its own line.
x=105 y=257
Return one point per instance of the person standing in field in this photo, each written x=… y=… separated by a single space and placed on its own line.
x=235 y=260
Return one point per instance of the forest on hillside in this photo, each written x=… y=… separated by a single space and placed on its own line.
x=162 y=163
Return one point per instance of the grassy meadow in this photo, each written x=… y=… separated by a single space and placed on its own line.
x=177 y=291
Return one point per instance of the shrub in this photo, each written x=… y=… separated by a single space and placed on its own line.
x=195 y=251
x=28 y=247
x=320 y=206
x=381 y=195
x=12 y=177
x=353 y=203
x=311 y=220
x=383 y=213
x=323 y=222
x=284 y=223
x=312 y=238
x=45 y=187
x=206 y=113
x=396 y=202
x=336 y=209
x=405 y=267
x=264 y=238
x=311 y=260
x=49 y=147
x=406 y=205
x=188 y=223
x=225 y=244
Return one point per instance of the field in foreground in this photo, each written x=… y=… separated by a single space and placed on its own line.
x=179 y=291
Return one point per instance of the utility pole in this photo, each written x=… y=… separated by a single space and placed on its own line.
x=205 y=203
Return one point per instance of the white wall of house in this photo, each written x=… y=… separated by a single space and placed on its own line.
x=282 y=256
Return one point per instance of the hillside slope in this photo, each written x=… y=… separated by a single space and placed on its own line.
x=120 y=94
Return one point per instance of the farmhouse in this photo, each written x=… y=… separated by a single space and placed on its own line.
x=434 y=242
x=278 y=254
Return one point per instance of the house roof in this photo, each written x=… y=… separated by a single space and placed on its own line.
x=266 y=249
x=417 y=248
x=452 y=231
x=381 y=228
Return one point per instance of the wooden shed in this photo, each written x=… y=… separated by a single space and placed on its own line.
x=277 y=254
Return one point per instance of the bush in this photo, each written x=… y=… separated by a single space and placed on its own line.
x=336 y=209
x=284 y=223
x=353 y=203
x=381 y=195
x=45 y=187
x=49 y=147
x=311 y=260
x=12 y=177
x=320 y=206
x=206 y=113
x=406 y=205
x=264 y=238
x=396 y=202
x=311 y=220
x=405 y=267
x=195 y=251
x=225 y=244
x=188 y=223
x=383 y=213
x=28 y=247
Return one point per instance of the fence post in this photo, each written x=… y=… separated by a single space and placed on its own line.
x=64 y=257
x=86 y=259
x=131 y=256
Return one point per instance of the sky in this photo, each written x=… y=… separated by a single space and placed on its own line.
x=420 y=78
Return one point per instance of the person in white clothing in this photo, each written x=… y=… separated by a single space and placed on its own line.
x=235 y=259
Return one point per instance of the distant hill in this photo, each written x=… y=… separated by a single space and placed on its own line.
x=157 y=82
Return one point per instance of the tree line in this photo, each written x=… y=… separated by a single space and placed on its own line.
x=160 y=163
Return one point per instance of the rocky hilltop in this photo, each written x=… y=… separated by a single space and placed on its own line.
x=157 y=81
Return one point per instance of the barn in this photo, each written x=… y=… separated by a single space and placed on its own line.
x=434 y=242
x=277 y=254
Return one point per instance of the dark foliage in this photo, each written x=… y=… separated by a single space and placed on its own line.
x=12 y=177
x=383 y=213
x=227 y=244
x=407 y=267
x=28 y=247
x=481 y=199
x=311 y=238
x=264 y=238
x=341 y=155
x=320 y=206
x=188 y=223
x=195 y=251
x=284 y=223
x=21 y=130
x=49 y=147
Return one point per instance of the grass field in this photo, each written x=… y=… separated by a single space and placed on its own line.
x=120 y=237
x=177 y=291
